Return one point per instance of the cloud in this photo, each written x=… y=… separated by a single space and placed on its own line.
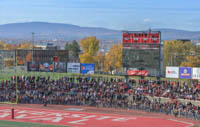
x=146 y=20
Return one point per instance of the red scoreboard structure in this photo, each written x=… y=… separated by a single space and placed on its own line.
x=142 y=52
x=141 y=37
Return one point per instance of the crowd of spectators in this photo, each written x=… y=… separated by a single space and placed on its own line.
x=170 y=89
x=102 y=92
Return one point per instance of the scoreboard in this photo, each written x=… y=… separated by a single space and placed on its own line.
x=142 y=37
x=142 y=51
x=141 y=58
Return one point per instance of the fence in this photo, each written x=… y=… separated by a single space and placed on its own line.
x=142 y=105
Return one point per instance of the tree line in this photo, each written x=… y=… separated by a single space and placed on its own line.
x=10 y=61
x=179 y=53
x=176 y=53
x=89 y=52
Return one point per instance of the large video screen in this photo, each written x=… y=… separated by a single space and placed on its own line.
x=142 y=37
x=142 y=59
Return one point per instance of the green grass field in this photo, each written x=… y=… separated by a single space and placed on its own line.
x=6 y=74
x=21 y=124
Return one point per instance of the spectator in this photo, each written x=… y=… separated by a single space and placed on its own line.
x=103 y=92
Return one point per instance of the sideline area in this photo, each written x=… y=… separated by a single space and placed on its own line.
x=80 y=118
x=24 y=124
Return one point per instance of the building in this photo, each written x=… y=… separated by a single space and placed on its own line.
x=43 y=55
x=21 y=56
x=51 y=46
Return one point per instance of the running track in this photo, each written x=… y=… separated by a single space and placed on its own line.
x=83 y=119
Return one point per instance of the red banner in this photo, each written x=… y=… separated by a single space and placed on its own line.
x=137 y=72
x=55 y=59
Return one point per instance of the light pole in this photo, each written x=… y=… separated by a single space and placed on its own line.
x=32 y=44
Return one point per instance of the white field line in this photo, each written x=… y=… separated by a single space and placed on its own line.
x=53 y=110
x=190 y=124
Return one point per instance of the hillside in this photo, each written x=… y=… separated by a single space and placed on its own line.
x=49 y=31
x=57 y=31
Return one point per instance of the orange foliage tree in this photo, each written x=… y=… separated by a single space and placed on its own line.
x=191 y=61
x=21 y=61
x=113 y=59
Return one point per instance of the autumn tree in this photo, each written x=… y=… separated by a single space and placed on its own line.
x=23 y=60
x=20 y=61
x=9 y=63
x=86 y=58
x=175 y=52
x=25 y=45
x=113 y=59
x=191 y=61
x=90 y=47
x=29 y=57
x=1 y=44
x=6 y=46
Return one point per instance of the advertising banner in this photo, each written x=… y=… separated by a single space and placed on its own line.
x=60 y=67
x=185 y=72
x=87 y=68
x=196 y=73
x=73 y=67
x=172 y=72
x=46 y=67
x=32 y=66
x=137 y=72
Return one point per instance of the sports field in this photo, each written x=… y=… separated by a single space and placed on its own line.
x=8 y=73
x=76 y=116
x=69 y=116
x=23 y=124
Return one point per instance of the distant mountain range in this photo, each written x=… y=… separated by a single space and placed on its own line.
x=68 y=32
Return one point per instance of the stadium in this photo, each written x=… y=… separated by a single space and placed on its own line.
x=52 y=91
x=99 y=63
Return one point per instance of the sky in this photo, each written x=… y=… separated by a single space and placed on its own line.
x=113 y=14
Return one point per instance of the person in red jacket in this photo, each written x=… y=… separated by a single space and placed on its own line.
x=45 y=100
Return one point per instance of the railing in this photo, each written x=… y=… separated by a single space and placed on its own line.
x=191 y=114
